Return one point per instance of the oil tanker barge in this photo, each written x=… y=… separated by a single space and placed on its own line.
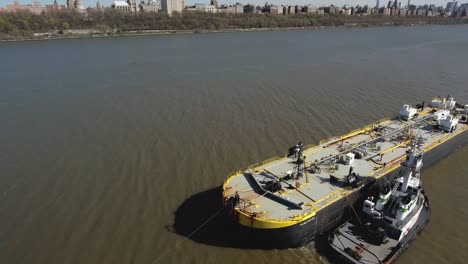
x=289 y=201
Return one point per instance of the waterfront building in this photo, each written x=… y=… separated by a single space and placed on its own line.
x=232 y=9
x=449 y=6
x=202 y=8
x=151 y=6
x=463 y=7
x=298 y=9
x=377 y=4
x=421 y=12
x=464 y=12
x=15 y=6
x=34 y=8
x=214 y=3
x=457 y=13
x=121 y=5
x=170 y=6
x=226 y=9
x=54 y=7
x=274 y=9
x=99 y=7
x=239 y=8
x=387 y=11
x=133 y=5
x=249 y=9
x=71 y=4
x=367 y=10
x=252 y=9
x=79 y=6
x=310 y=9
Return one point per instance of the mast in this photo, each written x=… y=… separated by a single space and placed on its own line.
x=295 y=152
x=415 y=155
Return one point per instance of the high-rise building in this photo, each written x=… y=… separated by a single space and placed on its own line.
x=408 y=4
x=214 y=3
x=71 y=4
x=169 y=6
x=99 y=7
x=377 y=4
x=79 y=6
x=151 y=6
x=133 y=5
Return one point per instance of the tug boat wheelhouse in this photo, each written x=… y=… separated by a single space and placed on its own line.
x=385 y=227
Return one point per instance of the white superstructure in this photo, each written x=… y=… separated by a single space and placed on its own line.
x=443 y=102
x=449 y=124
x=440 y=115
x=402 y=205
x=407 y=112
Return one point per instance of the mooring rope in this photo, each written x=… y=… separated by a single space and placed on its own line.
x=187 y=237
x=352 y=207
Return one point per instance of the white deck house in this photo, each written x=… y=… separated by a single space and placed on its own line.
x=407 y=112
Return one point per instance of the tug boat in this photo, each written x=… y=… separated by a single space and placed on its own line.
x=387 y=224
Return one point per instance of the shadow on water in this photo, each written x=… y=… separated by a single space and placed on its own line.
x=220 y=230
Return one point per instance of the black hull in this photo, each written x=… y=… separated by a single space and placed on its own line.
x=338 y=212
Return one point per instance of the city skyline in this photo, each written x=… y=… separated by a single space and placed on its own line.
x=372 y=3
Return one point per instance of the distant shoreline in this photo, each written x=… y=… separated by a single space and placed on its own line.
x=94 y=33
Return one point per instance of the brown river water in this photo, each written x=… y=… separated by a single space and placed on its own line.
x=104 y=140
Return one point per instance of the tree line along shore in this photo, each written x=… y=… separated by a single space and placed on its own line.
x=25 y=25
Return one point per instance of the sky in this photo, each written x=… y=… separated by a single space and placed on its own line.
x=87 y=3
